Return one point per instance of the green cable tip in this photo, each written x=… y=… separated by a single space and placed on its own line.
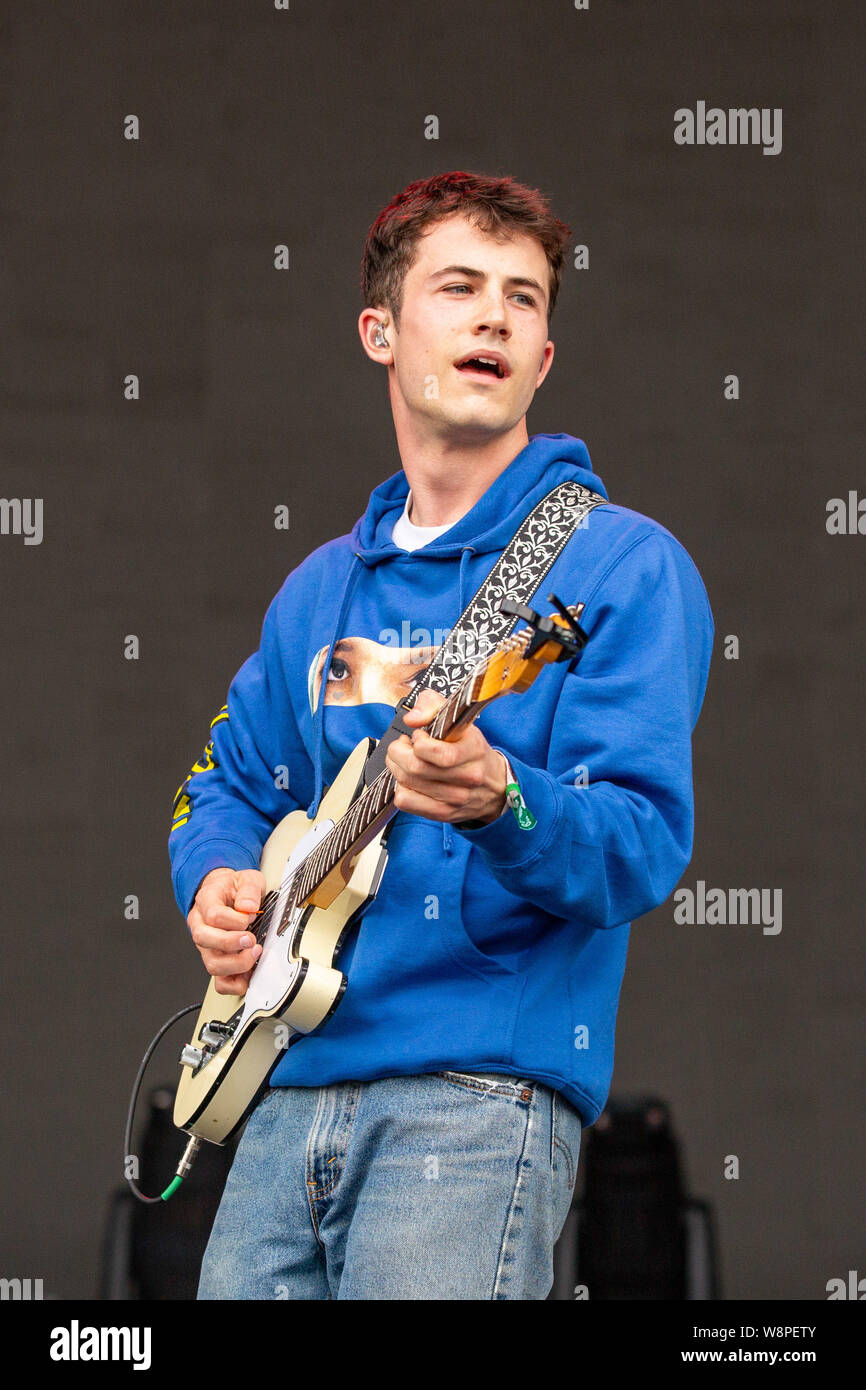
x=171 y=1189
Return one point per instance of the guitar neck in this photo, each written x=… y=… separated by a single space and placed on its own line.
x=372 y=810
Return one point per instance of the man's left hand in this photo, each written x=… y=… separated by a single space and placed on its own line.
x=463 y=780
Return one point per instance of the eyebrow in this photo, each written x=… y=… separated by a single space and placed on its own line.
x=480 y=275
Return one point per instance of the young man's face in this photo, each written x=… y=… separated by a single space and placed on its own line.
x=449 y=314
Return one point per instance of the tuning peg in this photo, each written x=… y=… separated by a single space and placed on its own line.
x=572 y=639
x=569 y=615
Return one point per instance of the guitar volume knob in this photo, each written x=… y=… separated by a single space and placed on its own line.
x=215 y=1033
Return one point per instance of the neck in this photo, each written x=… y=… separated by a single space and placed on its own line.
x=447 y=475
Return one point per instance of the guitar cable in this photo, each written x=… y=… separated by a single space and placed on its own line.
x=192 y=1147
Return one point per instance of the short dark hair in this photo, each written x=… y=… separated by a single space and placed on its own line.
x=498 y=205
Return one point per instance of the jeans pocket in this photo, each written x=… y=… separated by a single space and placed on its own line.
x=566 y=1130
x=491 y=1083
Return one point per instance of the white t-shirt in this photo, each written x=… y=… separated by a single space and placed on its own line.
x=408 y=536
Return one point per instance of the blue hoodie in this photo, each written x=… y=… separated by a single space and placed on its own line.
x=496 y=948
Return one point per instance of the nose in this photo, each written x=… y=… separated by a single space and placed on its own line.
x=491 y=313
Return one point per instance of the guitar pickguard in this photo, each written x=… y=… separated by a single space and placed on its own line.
x=277 y=968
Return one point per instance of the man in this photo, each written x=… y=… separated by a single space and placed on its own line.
x=423 y=1142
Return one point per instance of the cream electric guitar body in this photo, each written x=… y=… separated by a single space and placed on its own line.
x=294 y=986
x=319 y=875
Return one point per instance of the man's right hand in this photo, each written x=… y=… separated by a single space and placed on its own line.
x=225 y=907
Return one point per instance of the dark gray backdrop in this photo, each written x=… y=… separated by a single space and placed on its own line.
x=155 y=257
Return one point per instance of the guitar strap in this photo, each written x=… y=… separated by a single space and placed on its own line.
x=517 y=574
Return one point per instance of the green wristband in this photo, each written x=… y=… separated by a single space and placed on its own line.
x=513 y=795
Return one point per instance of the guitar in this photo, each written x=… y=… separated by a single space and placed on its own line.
x=319 y=878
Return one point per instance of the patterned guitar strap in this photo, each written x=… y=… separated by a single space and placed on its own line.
x=517 y=574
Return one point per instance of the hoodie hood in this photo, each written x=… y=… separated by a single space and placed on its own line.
x=548 y=459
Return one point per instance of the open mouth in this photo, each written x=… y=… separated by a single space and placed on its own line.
x=484 y=365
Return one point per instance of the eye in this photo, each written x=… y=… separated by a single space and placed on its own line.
x=339 y=669
x=521 y=294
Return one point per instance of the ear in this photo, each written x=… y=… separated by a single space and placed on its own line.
x=546 y=362
x=369 y=319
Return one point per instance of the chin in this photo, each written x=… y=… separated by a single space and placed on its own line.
x=474 y=429
x=482 y=417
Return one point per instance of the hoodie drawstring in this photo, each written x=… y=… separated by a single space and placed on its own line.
x=465 y=552
x=348 y=590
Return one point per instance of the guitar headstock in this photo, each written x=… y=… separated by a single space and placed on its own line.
x=519 y=659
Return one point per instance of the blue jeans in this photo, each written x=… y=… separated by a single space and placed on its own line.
x=443 y=1186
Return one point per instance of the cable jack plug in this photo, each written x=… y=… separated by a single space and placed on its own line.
x=183 y=1167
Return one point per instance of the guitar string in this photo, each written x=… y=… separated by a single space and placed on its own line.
x=360 y=816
